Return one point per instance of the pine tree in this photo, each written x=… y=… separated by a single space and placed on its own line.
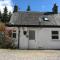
x=28 y=8
x=15 y=9
x=0 y=16
x=10 y=15
x=55 y=9
x=5 y=15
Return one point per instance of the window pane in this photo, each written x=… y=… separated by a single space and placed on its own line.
x=55 y=37
x=14 y=35
x=31 y=35
x=54 y=32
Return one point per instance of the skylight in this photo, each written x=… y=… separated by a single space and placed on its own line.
x=45 y=19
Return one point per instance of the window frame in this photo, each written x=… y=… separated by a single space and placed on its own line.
x=55 y=35
x=14 y=33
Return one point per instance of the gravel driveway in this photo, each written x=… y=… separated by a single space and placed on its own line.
x=29 y=54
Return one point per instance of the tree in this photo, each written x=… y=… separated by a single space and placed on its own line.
x=9 y=42
x=6 y=40
x=10 y=15
x=15 y=9
x=55 y=9
x=0 y=16
x=28 y=8
x=5 y=15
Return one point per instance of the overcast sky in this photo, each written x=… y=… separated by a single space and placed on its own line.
x=36 y=5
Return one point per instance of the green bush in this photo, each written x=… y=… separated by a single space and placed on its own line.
x=6 y=42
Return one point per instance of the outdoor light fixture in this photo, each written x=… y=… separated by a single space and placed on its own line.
x=24 y=31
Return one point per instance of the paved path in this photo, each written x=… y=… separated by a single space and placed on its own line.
x=29 y=54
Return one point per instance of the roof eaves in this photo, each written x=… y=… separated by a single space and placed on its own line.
x=42 y=26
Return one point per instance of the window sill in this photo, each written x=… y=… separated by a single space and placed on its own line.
x=55 y=40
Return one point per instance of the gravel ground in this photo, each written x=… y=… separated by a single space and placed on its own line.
x=6 y=54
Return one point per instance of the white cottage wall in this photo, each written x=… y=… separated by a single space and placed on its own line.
x=43 y=39
x=23 y=43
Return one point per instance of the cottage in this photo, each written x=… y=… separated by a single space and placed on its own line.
x=35 y=30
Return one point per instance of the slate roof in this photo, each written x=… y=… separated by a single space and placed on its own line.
x=34 y=18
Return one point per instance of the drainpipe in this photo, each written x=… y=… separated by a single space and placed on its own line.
x=19 y=32
x=18 y=37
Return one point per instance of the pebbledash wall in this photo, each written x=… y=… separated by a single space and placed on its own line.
x=43 y=38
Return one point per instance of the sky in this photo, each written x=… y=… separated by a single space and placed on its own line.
x=7 y=3
x=36 y=5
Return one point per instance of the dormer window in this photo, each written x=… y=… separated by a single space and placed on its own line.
x=45 y=19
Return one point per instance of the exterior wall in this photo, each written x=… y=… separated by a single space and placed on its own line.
x=23 y=43
x=43 y=39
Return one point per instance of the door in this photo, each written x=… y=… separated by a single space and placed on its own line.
x=32 y=41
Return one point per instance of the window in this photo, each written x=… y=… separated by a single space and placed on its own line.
x=55 y=35
x=14 y=34
x=31 y=35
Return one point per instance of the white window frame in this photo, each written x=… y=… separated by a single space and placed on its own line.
x=12 y=34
